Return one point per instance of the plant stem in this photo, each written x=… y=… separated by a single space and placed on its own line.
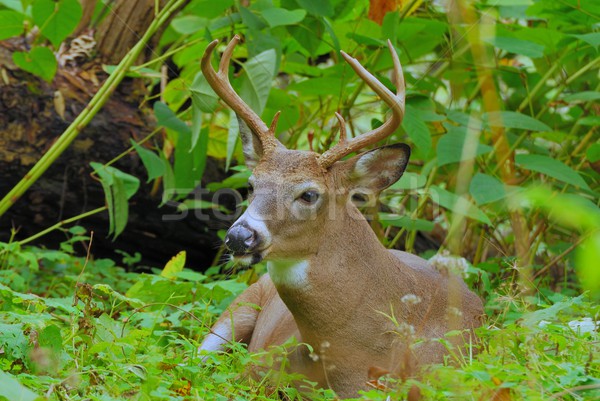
x=88 y=113
x=62 y=223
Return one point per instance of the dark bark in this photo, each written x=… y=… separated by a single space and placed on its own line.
x=34 y=113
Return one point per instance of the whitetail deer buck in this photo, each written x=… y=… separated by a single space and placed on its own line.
x=331 y=283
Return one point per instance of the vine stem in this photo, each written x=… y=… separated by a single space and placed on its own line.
x=62 y=223
x=88 y=113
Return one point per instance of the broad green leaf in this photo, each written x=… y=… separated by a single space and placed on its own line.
x=591 y=38
x=410 y=181
x=118 y=188
x=586 y=261
x=418 y=132
x=582 y=96
x=208 y=8
x=189 y=24
x=168 y=119
x=323 y=86
x=174 y=266
x=570 y=210
x=322 y=8
x=252 y=20
x=551 y=167
x=512 y=119
x=13 y=390
x=256 y=83
x=518 y=46
x=486 y=189
x=457 y=204
x=11 y=24
x=592 y=121
x=454 y=147
x=16 y=5
x=120 y=206
x=39 y=61
x=203 y=95
x=280 y=16
x=593 y=153
x=56 y=19
x=154 y=165
x=389 y=219
x=309 y=35
x=151 y=288
x=50 y=337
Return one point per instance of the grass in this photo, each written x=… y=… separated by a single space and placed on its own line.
x=77 y=329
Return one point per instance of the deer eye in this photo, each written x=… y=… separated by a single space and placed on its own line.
x=250 y=189
x=309 y=197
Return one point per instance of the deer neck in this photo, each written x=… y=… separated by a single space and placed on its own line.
x=350 y=268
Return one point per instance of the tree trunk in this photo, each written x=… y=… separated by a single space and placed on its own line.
x=34 y=113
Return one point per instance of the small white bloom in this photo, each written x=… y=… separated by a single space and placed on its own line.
x=411 y=299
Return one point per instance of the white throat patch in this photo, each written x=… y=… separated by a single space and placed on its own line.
x=289 y=273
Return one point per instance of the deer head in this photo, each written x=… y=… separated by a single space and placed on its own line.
x=297 y=197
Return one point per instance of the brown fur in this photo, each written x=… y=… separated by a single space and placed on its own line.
x=350 y=310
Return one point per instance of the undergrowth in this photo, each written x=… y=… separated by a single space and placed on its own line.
x=73 y=328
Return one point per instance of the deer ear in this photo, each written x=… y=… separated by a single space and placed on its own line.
x=377 y=169
x=251 y=145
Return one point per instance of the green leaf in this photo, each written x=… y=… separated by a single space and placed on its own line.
x=155 y=167
x=50 y=337
x=309 y=35
x=322 y=8
x=457 y=204
x=251 y=20
x=394 y=220
x=56 y=19
x=174 y=266
x=586 y=262
x=410 y=181
x=591 y=38
x=16 y=5
x=418 y=131
x=256 y=83
x=118 y=188
x=280 y=16
x=582 y=96
x=593 y=153
x=11 y=24
x=454 y=147
x=551 y=167
x=13 y=390
x=570 y=210
x=512 y=119
x=323 y=86
x=167 y=118
x=591 y=121
x=518 y=46
x=39 y=61
x=189 y=24
x=486 y=189
x=203 y=95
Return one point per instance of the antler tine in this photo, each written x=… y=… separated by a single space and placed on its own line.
x=395 y=101
x=219 y=82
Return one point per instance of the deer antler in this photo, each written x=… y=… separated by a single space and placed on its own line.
x=219 y=81
x=396 y=102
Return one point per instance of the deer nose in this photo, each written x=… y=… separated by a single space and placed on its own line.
x=241 y=239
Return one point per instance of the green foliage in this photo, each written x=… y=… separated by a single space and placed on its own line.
x=502 y=119
x=86 y=329
x=39 y=61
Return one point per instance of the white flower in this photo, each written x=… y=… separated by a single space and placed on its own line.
x=411 y=299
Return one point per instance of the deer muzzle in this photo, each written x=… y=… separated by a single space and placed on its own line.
x=241 y=240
